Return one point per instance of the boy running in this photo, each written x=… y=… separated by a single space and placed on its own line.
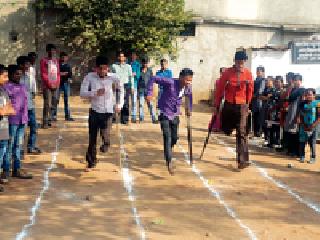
x=98 y=88
x=169 y=105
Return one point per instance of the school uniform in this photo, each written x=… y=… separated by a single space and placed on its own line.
x=309 y=114
x=291 y=125
x=101 y=110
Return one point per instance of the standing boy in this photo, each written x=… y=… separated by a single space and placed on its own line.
x=309 y=115
x=98 y=88
x=50 y=75
x=136 y=68
x=5 y=111
x=24 y=64
x=18 y=95
x=145 y=75
x=163 y=72
x=257 y=109
x=169 y=105
x=124 y=73
x=66 y=79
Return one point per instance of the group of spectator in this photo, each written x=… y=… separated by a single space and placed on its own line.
x=18 y=89
x=286 y=114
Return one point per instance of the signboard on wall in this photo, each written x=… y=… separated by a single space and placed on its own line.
x=305 y=52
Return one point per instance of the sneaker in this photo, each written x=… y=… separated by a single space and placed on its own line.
x=312 y=161
x=70 y=119
x=4 y=178
x=21 y=174
x=34 y=151
x=302 y=159
x=170 y=168
x=133 y=121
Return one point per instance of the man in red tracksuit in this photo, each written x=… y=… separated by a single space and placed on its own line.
x=236 y=86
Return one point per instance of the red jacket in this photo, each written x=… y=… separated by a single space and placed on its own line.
x=50 y=80
x=236 y=90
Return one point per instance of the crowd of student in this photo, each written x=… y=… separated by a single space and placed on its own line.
x=287 y=114
x=18 y=88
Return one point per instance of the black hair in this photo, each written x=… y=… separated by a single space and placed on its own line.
x=279 y=78
x=163 y=60
x=221 y=69
x=186 y=72
x=310 y=90
x=50 y=46
x=261 y=68
x=63 y=54
x=271 y=77
x=3 y=69
x=297 y=77
x=12 y=69
x=101 y=60
x=144 y=60
x=32 y=54
x=120 y=52
x=22 y=60
x=290 y=76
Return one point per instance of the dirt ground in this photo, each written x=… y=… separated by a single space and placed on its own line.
x=138 y=199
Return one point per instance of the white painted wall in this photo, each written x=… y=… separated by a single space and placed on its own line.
x=266 y=11
x=279 y=63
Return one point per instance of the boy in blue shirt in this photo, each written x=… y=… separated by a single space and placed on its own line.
x=309 y=121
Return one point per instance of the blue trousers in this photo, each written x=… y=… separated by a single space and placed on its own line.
x=15 y=145
x=65 y=88
x=3 y=150
x=141 y=106
x=32 y=123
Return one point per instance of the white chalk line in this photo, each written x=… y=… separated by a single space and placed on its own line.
x=263 y=172
x=46 y=184
x=215 y=193
x=128 y=185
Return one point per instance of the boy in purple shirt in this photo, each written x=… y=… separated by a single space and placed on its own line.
x=18 y=95
x=169 y=105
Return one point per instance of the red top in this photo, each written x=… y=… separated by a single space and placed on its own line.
x=50 y=73
x=236 y=87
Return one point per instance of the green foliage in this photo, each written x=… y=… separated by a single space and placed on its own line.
x=102 y=25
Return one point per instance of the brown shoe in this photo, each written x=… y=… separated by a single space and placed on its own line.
x=243 y=165
x=21 y=174
x=1 y=188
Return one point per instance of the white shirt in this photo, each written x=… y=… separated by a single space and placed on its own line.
x=30 y=83
x=101 y=104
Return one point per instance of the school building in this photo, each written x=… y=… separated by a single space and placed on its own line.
x=218 y=29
